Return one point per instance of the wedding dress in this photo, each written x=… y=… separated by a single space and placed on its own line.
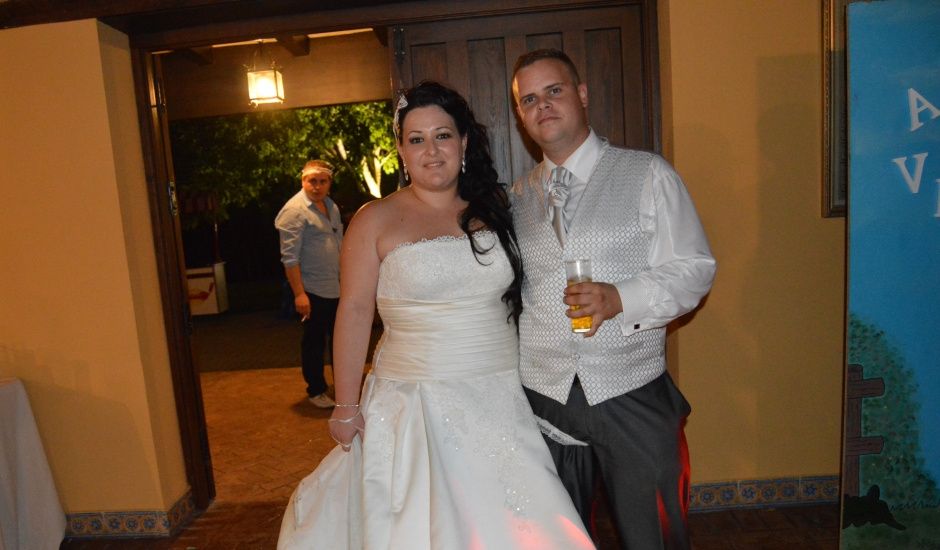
x=451 y=458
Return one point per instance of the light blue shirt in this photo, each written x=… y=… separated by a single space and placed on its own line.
x=312 y=240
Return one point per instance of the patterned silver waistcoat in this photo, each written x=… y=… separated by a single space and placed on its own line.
x=606 y=229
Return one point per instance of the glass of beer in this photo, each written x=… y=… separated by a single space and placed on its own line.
x=579 y=271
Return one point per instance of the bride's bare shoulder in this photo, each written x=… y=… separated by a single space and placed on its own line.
x=385 y=222
x=375 y=214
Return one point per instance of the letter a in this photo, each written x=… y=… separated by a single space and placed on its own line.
x=917 y=103
x=912 y=182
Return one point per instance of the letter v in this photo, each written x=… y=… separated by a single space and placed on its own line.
x=912 y=182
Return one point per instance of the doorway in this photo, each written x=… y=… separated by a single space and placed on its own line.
x=613 y=45
x=234 y=167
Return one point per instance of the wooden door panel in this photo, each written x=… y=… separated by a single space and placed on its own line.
x=640 y=88
x=429 y=62
x=541 y=41
x=458 y=67
x=489 y=99
x=604 y=77
x=613 y=48
x=523 y=152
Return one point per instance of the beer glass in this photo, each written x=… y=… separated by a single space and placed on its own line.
x=579 y=271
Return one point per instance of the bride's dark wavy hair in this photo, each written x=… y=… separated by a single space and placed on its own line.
x=487 y=200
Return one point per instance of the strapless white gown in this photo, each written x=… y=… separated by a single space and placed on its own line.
x=452 y=458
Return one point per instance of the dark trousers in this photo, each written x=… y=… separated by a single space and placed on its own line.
x=317 y=329
x=637 y=448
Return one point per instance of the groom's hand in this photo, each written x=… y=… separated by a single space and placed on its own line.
x=599 y=300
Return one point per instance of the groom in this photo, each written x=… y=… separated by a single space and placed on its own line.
x=612 y=409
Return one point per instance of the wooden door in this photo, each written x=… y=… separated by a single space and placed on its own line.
x=613 y=47
x=148 y=80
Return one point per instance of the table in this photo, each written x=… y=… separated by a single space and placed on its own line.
x=31 y=517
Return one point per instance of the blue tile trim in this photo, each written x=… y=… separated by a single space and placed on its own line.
x=705 y=497
x=763 y=493
x=131 y=524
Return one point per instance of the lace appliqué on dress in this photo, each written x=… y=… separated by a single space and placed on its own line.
x=382 y=413
x=478 y=420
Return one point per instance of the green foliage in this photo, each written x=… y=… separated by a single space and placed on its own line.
x=257 y=157
x=899 y=469
x=359 y=142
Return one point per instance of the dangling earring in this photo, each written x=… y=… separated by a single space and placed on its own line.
x=405 y=168
x=463 y=165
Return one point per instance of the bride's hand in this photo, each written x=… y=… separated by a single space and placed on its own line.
x=345 y=425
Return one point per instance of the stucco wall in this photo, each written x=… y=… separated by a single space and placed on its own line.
x=761 y=362
x=81 y=320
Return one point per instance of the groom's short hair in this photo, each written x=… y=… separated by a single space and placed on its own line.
x=529 y=58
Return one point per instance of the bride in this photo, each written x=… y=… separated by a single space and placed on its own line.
x=442 y=452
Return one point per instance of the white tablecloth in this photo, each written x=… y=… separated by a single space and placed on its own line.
x=31 y=517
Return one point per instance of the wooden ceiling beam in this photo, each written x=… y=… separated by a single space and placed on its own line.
x=381 y=32
x=201 y=56
x=297 y=44
x=341 y=16
x=16 y=13
x=186 y=23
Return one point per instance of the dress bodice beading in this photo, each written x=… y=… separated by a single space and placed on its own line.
x=443 y=311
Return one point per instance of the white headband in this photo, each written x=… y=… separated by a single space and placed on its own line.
x=312 y=169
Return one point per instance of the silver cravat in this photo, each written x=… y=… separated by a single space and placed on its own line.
x=557 y=196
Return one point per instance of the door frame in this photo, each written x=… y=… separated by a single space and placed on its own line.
x=159 y=167
x=168 y=246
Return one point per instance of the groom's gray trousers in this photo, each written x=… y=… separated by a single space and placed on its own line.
x=636 y=444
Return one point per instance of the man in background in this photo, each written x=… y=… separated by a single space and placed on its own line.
x=311 y=235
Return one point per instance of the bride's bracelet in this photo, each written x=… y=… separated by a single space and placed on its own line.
x=345 y=420
x=350 y=405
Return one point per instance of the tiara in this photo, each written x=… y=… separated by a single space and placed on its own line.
x=402 y=103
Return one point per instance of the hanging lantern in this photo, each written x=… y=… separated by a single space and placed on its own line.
x=264 y=85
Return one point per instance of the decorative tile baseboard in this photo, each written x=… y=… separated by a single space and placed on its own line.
x=761 y=493
x=705 y=497
x=132 y=524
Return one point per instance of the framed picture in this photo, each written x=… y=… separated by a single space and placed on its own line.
x=835 y=152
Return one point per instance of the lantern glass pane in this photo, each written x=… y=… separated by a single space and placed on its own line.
x=265 y=86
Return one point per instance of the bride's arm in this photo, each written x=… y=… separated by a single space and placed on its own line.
x=359 y=274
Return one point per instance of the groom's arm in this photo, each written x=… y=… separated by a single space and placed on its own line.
x=682 y=267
